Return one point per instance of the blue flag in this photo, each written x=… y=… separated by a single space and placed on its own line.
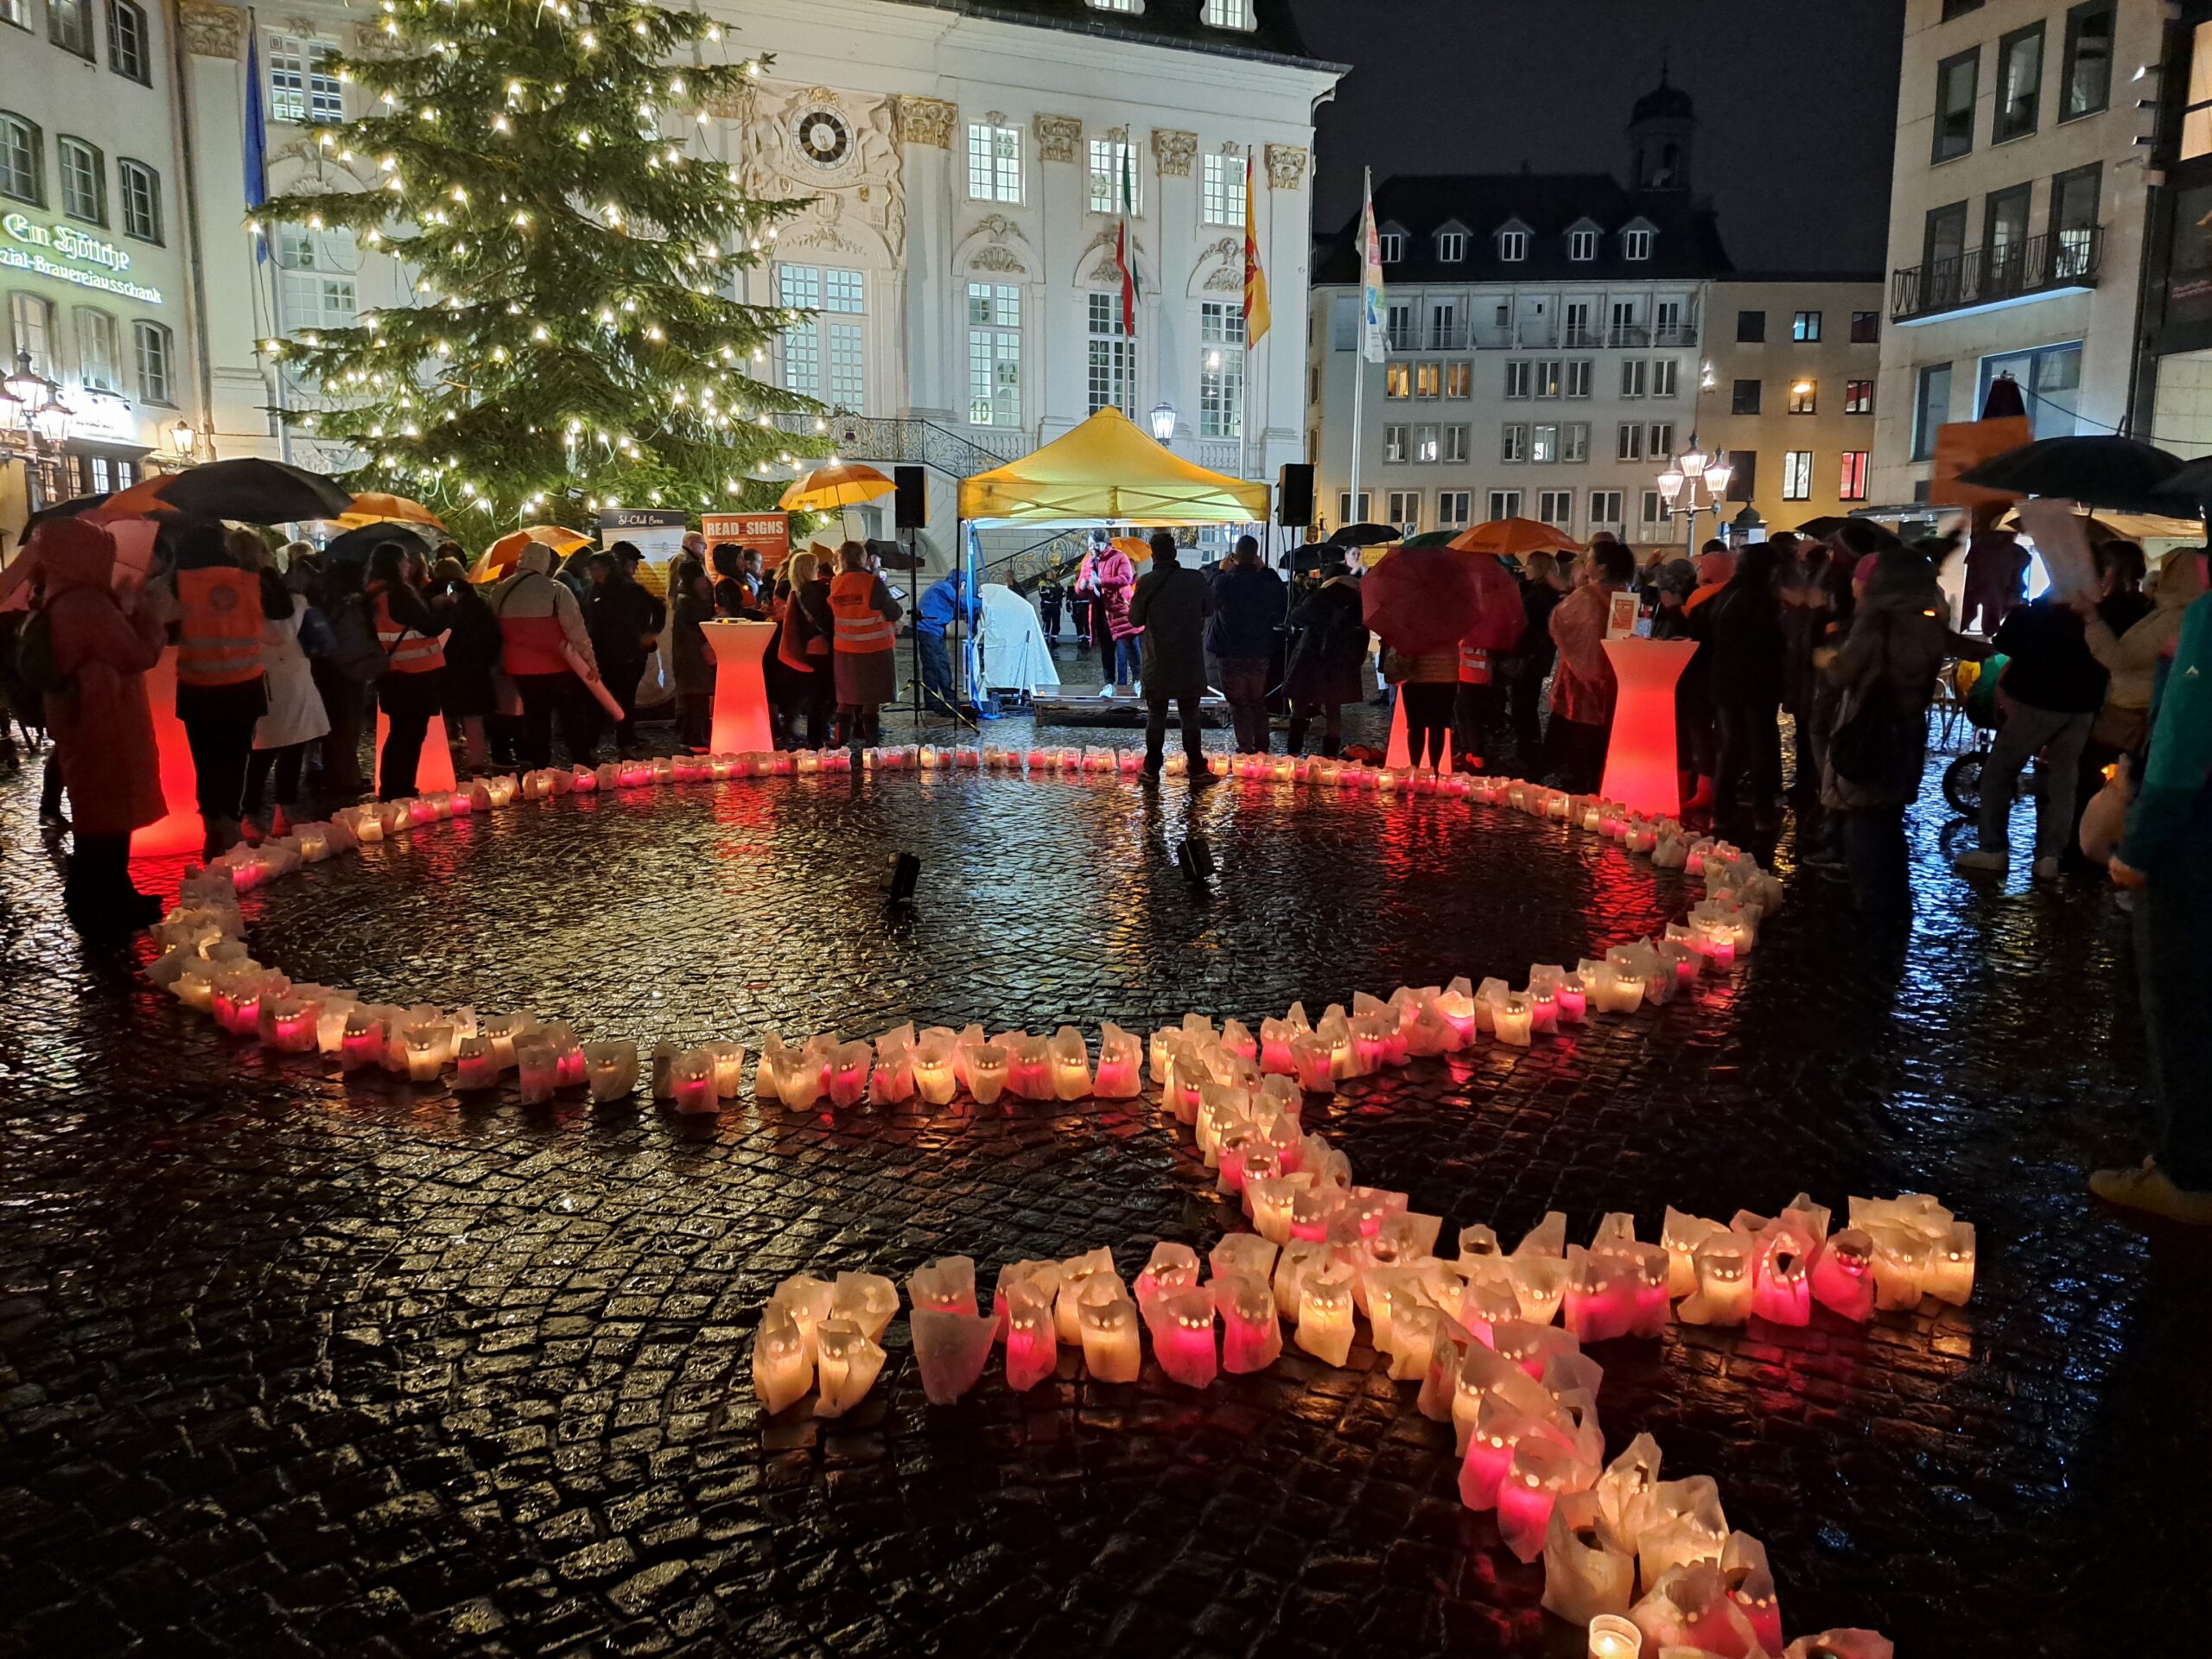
x=257 y=141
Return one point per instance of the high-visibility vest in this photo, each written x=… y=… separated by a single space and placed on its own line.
x=1474 y=664
x=219 y=643
x=860 y=626
x=408 y=651
x=531 y=645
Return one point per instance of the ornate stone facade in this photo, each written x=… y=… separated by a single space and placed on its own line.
x=1286 y=167
x=839 y=150
x=1174 y=151
x=213 y=31
x=1057 y=137
x=926 y=121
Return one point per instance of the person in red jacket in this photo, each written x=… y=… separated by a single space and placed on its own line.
x=103 y=642
x=412 y=685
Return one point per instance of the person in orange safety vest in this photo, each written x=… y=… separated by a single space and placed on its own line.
x=866 y=678
x=221 y=598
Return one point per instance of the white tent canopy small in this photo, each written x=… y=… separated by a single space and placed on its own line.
x=1107 y=472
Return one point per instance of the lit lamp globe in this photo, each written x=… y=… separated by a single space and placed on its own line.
x=14 y=414
x=1671 y=486
x=183 y=438
x=1163 y=421
x=50 y=420
x=1693 y=461
x=24 y=385
x=1717 y=472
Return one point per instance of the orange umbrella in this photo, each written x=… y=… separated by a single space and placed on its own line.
x=1506 y=538
x=374 y=507
x=840 y=484
x=500 y=556
x=1136 y=547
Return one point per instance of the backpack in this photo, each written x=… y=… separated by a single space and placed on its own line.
x=36 y=664
x=355 y=651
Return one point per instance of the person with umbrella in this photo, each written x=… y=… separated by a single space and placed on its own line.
x=1324 y=670
x=472 y=648
x=862 y=666
x=624 y=620
x=411 y=689
x=1544 y=585
x=1247 y=621
x=544 y=645
x=222 y=598
x=1168 y=611
x=1584 y=688
x=1499 y=619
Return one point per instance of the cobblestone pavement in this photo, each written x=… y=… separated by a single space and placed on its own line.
x=289 y=1364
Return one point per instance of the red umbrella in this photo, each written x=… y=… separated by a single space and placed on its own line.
x=1421 y=600
x=1500 y=617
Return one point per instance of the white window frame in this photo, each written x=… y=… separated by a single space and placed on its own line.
x=1455 y=444
x=1427 y=445
x=1632 y=377
x=994 y=354
x=299 y=93
x=129 y=43
x=1543 y=443
x=1574 y=441
x=23 y=159
x=1221 y=198
x=1578 y=377
x=1458 y=380
x=1844 y=491
x=1110 y=367
x=1581 y=246
x=1451 y=247
x=1403 y=510
x=1391 y=245
x=155 y=349
x=1397 y=442
x=1665 y=377
x=1653 y=508
x=1513 y=443
x=1344 y=508
x=1504 y=503
x=316 y=288
x=1221 y=369
x=1106 y=158
x=1512 y=246
x=81 y=158
x=1635 y=246
x=1608 y=507
x=1454 y=509
x=1659 y=440
x=994 y=162
x=18 y=12
x=1228 y=13
x=99 y=350
x=74 y=37
x=1546 y=378
x=1520 y=377
x=138 y=199
x=1797 y=474
x=30 y=329
x=1131 y=7
x=1555 y=508
x=1628 y=440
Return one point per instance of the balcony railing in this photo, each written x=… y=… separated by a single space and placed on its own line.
x=2052 y=262
x=1674 y=334
x=1582 y=337
x=1628 y=333
x=885 y=438
x=1528 y=335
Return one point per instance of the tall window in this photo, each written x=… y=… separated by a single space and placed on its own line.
x=1344 y=513
x=1426 y=446
x=2019 y=84
x=1428 y=379
x=1866 y=328
x=1397 y=443
x=1931 y=407
x=1956 y=81
x=825 y=356
x=1505 y=504
x=1117 y=5
x=1635 y=246
x=1665 y=373
x=98 y=369
x=994 y=354
x=1225 y=189
x=1455 y=445
x=140 y=189
x=1578 y=377
x=1804 y=397
x=18 y=12
x=1797 y=475
x=1660 y=443
x=69 y=25
x=1606 y=508
x=1451 y=247
x=1391 y=245
x=1653 y=508
x=1543 y=442
x=994 y=162
x=1859 y=396
x=30 y=329
x=1805 y=324
x=1581 y=246
x=1221 y=369
x=2074 y=217
x=2049 y=378
x=1851 y=483
x=2085 y=77
x=1513 y=442
x=1110 y=159
x=1744 y=399
x=1634 y=370
x=1750 y=328
x=1519 y=377
x=1403 y=510
x=1228 y=13
x=1459 y=379
x=1555 y=507
x=1112 y=365
x=1574 y=441
x=1398 y=380
x=1454 y=509
x=155 y=350
x=299 y=89
x=316 y=288
x=1513 y=246
x=1548 y=376
x=127 y=50
x=1628 y=441
x=23 y=169
x=83 y=181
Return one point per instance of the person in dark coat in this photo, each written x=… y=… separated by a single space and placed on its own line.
x=1543 y=584
x=2052 y=689
x=1171 y=604
x=1249 y=608
x=623 y=621
x=1050 y=596
x=1324 y=672
x=734 y=592
x=473 y=647
x=1744 y=650
x=690 y=660
x=1804 y=620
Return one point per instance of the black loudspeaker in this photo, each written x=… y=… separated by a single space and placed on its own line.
x=1294 y=495
x=914 y=507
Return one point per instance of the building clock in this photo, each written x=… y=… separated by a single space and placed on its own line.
x=824 y=138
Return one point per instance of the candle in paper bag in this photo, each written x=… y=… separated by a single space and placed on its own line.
x=691 y=1081
x=1070 y=1064
x=781 y=1371
x=1325 y=1312
x=1118 y=1060
x=1724 y=1282
x=1112 y=1351
x=1584 y=1576
x=612 y=1068
x=1843 y=1275
x=868 y=1300
x=1074 y=1272
x=1032 y=1337
x=1182 y=1323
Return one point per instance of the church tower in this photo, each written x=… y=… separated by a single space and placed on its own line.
x=1660 y=131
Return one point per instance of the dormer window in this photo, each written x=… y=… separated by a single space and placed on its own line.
x=1451 y=247
x=1117 y=5
x=1636 y=244
x=1513 y=246
x=1393 y=245
x=1227 y=13
x=1581 y=246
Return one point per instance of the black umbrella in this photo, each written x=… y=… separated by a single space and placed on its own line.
x=1313 y=556
x=2189 y=491
x=892 y=557
x=1363 y=535
x=355 y=545
x=68 y=509
x=2122 y=474
x=250 y=491
x=1821 y=528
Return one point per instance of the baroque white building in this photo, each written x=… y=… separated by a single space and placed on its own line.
x=962 y=158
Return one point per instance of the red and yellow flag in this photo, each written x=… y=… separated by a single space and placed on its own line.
x=1255 y=279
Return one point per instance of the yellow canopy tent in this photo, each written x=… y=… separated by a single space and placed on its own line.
x=1106 y=470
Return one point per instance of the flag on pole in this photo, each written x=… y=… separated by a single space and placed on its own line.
x=1125 y=252
x=1256 y=318
x=256 y=141
x=1372 y=344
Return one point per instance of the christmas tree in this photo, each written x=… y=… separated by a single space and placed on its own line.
x=571 y=344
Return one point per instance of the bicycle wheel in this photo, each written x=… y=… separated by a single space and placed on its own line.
x=1962 y=783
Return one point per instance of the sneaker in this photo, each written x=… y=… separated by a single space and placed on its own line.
x=1981 y=861
x=2047 y=868
x=2151 y=1190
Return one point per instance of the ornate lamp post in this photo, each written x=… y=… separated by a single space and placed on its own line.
x=1694 y=475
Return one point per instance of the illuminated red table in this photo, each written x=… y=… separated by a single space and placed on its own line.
x=1640 y=760
x=741 y=690
x=180 y=831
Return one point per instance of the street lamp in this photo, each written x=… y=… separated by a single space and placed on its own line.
x=182 y=439
x=25 y=382
x=1163 y=421
x=1696 y=483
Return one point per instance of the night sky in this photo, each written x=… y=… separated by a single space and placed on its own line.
x=1796 y=104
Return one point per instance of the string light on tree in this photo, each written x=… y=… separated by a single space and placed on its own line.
x=535 y=215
